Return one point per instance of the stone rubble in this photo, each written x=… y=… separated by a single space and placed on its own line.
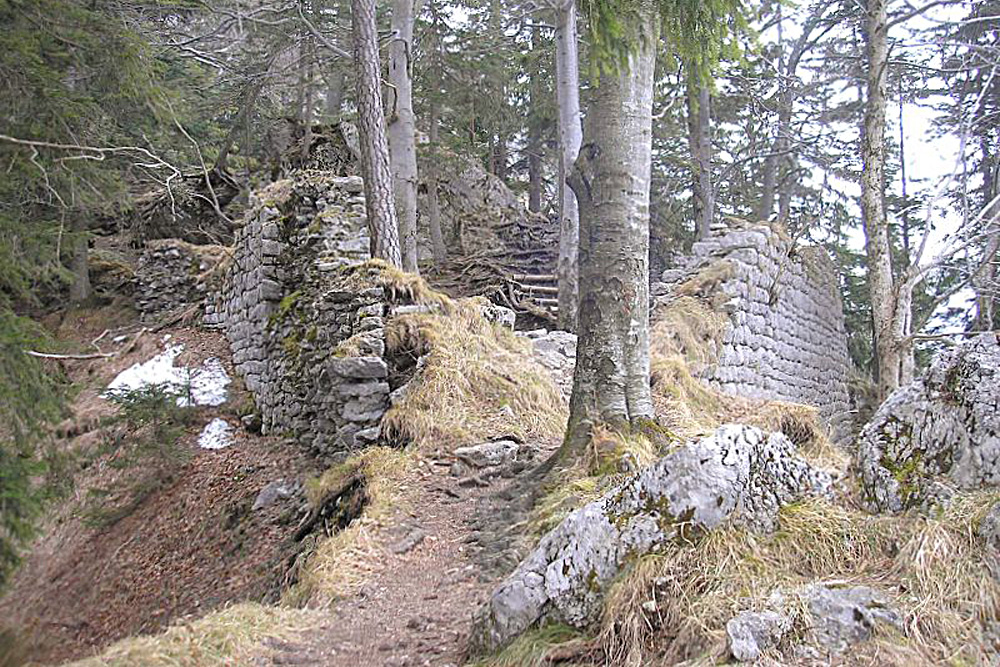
x=738 y=474
x=938 y=435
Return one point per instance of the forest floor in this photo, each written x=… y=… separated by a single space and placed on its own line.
x=190 y=544
x=193 y=544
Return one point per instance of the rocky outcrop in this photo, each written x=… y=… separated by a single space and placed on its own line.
x=307 y=332
x=786 y=339
x=738 y=474
x=938 y=434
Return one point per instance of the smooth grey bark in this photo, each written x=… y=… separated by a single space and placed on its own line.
x=433 y=205
x=382 y=224
x=700 y=142
x=887 y=325
x=611 y=178
x=570 y=139
x=402 y=130
x=985 y=281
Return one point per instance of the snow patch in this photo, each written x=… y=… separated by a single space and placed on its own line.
x=204 y=385
x=217 y=434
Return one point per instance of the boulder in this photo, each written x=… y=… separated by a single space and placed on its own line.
x=738 y=474
x=938 y=434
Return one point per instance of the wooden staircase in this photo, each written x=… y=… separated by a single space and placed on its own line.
x=539 y=290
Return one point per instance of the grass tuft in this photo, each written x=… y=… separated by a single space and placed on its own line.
x=341 y=561
x=227 y=637
x=933 y=568
x=477 y=381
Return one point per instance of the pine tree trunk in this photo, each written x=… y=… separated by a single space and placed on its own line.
x=880 y=277
x=79 y=288
x=570 y=138
x=335 y=94
x=402 y=130
x=307 y=111
x=433 y=205
x=611 y=179
x=382 y=225
x=700 y=142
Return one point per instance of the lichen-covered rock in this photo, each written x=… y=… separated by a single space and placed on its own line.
x=842 y=617
x=739 y=473
x=556 y=351
x=834 y=619
x=753 y=632
x=938 y=434
x=989 y=529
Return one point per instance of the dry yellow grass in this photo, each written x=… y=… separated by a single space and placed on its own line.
x=478 y=380
x=229 y=636
x=934 y=568
x=343 y=561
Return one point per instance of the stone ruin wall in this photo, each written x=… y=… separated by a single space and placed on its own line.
x=787 y=339
x=289 y=315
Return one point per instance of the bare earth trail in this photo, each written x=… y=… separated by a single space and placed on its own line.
x=415 y=607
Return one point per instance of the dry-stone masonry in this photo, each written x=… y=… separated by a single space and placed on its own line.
x=738 y=474
x=304 y=316
x=786 y=340
x=172 y=274
x=938 y=434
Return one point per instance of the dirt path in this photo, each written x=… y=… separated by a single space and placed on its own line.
x=416 y=608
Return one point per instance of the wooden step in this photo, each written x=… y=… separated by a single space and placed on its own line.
x=534 y=278
x=538 y=289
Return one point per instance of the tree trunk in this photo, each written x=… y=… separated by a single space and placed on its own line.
x=307 y=111
x=335 y=94
x=570 y=138
x=382 y=225
x=985 y=283
x=880 y=278
x=535 y=129
x=611 y=179
x=402 y=130
x=433 y=205
x=79 y=288
x=700 y=142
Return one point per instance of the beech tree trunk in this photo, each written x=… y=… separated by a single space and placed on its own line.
x=535 y=129
x=700 y=142
x=382 y=224
x=877 y=248
x=570 y=138
x=402 y=130
x=611 y=179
